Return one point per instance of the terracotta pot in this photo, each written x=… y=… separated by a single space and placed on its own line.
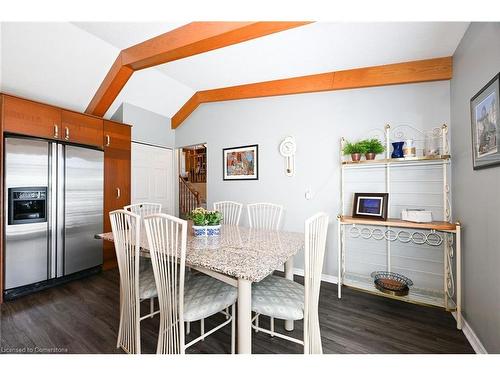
x=356 y=156
x=370 y=155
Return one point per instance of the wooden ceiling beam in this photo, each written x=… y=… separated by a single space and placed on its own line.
x=438 y=69
x=188 y=40
x=392 y=74
x=188 y=108
x=110 y=87
x=198 y=37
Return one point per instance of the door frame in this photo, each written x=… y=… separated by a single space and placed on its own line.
x=177 y=160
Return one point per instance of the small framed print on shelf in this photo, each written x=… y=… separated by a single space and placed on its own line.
x=370 y=205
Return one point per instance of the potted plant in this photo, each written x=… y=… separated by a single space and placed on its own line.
x=355 y=149
x=372 y=147
x=214 y=219
x=205 y=223
x=199 y=221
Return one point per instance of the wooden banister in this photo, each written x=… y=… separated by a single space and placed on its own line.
x=189 y=199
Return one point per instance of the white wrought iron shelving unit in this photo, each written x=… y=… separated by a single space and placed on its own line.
x=443 y=233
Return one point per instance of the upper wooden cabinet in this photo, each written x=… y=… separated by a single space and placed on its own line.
x=29 y=118
x=26 y=117
x=81 y=129
x=116 y=135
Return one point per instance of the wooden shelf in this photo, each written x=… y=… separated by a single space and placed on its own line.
x=434 y=225
x=416 y=160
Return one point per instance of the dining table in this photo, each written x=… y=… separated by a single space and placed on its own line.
x=239 y=256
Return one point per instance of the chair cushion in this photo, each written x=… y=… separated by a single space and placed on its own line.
x=278 y=297
x=205 y=296
x=147 y=285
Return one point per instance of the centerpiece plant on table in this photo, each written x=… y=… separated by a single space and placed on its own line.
x=205 y=223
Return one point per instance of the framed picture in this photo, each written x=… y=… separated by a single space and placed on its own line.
x=485 y=123
x=370 y=205
x=241 y=163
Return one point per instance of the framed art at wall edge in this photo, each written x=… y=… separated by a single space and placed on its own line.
x=240 y=163
x=485 y=125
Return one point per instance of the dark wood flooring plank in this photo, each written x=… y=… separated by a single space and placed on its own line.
x=82 y=317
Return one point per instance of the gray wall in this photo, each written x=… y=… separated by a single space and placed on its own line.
x=317 y=121
x=476 y=199
x=147 y=127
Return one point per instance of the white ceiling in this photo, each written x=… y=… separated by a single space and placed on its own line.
x=316 y=48
x=126 y=34
x=64 y=63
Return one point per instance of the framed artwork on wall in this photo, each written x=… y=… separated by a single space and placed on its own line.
x=240 y=163
x=485 y=124
x=370 y=205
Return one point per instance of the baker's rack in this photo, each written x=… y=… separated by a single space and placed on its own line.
x=435 y=233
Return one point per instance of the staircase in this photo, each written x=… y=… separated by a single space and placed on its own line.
x=189 y=198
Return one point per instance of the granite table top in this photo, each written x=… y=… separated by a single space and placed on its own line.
x=239 y=252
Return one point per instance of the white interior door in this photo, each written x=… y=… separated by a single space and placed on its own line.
x=153 y=176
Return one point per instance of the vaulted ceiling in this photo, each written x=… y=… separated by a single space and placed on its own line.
x=64 y=63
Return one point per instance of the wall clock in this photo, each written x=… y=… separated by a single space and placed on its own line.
x=287 y=150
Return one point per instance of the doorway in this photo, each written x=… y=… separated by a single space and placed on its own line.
x=192 y=178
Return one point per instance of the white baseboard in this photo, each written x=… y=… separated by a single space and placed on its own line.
x=471 y=336
x=466 y=328
x=324 y=277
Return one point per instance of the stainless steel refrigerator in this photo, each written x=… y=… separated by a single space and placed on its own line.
x=53 y=209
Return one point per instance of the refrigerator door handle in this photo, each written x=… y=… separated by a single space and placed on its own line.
x=60 y=208
x=52 y=199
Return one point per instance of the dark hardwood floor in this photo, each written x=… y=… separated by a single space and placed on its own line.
x=82 y=317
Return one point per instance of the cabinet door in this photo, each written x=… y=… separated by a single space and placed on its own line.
x=116 y=136
x=30 y=118
x=116 y=180
x=82 y=129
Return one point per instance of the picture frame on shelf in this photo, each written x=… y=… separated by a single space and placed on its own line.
x=485 y=125
x=240 y=163
x=370 y=205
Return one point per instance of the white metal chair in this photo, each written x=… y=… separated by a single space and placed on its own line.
x=145 y=209
x=264 y=215
x=183 y=300
x=231 y=211
x=136 y=279
x=281 y=298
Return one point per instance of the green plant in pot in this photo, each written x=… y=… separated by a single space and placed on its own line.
x=372 y=147
x=213 y=218
x=205 y=223
x=355 y=149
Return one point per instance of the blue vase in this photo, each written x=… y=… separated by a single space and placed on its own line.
x=398 y=150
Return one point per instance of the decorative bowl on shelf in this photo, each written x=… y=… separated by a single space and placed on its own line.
x=391 y=283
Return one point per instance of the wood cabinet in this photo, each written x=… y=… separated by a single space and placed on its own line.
x=117 y=165
x=1 y=199
x=25 y=117
x=81 y=129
